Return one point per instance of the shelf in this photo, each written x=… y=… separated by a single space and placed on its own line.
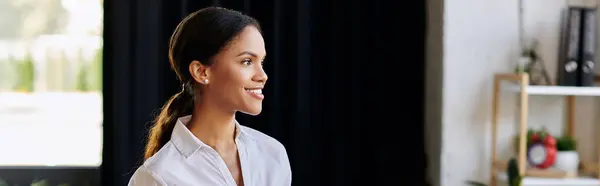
x=535 y=181
x=556 y=90
x=508 y=82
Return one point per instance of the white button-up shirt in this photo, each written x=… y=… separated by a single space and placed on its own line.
x=185 y=160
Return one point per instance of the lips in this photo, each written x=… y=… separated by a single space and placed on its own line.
x=255 y=92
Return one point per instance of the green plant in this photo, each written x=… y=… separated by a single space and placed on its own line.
x=81 y=83
x=89 y=77
x=566 y=143
x=512 y=171
x=26 y=74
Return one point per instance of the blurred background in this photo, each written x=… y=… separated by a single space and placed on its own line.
x=360 y=92
x=81 y=81
x=50 y=88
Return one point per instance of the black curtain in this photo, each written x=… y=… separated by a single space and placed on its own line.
x=345 y=90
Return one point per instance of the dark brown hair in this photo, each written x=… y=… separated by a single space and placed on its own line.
x=199 y=36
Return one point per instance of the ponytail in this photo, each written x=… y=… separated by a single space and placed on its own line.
x=179 y=105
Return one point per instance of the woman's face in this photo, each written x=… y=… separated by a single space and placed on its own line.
x=236 y=78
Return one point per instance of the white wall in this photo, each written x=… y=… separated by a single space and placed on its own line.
x=468 y=41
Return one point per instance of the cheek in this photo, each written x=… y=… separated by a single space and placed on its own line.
x=230 y=79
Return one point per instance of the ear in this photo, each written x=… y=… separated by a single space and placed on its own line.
x=199 y=72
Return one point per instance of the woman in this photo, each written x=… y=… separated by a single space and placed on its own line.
x=217 y=54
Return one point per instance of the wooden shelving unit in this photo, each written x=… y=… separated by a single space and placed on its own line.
x=519 y=83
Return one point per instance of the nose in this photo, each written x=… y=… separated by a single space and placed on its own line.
x=261 y=76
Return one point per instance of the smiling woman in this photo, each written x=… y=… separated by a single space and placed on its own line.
x=217 y=55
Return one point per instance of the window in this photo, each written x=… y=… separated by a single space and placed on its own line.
x=50 y=85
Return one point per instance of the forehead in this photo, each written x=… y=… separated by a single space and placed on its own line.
x=249 y=40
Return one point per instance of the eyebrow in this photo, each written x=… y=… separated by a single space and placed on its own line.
x=247 y=52
x=250 y=53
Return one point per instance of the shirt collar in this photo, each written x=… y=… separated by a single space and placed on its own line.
x=187 y=143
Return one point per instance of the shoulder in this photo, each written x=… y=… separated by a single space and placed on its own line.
x=145 y=177
x=269 y=143
x=269 y=146
x=272 y=147
x=151 y=171
x=165 y=157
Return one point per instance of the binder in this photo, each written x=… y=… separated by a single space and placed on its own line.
x=588 y=48
x=569 y=54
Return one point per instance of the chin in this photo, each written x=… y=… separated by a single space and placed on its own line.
x=253 y=111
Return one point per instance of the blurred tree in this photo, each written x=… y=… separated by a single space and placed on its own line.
x=89 y=77
x=96 y=71
x=25 y=74
x=35 y=17
x=81 y=83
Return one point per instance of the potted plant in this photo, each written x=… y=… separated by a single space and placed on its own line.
x=530 y=62
x=567 y=157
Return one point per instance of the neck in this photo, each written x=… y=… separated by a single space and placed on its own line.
x=214 y=127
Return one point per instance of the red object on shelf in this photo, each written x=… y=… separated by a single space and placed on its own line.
x=542 y=152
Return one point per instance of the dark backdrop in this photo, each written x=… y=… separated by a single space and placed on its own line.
x=345 y=90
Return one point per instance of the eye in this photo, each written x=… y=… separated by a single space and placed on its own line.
x=247 y=62
x=262 y=62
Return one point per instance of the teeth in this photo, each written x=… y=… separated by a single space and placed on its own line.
x=255 y=91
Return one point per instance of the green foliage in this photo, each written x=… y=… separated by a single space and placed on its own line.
x=89 y=77
x=81 y=84
x=514 y=179
x=25 y=74
x=95 y=72
x=81 y=79
x=20 y=74
x=566 y=143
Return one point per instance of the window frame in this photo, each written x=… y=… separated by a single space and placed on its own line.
x=55 y=175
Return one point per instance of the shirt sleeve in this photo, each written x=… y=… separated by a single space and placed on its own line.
x=286 y=167
x=143 y=177
x=288 y=180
